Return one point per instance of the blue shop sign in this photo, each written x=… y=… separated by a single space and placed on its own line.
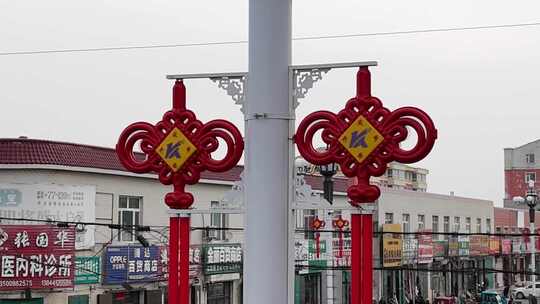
x=131 y=264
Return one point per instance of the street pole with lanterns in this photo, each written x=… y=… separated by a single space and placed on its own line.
x=531 y=199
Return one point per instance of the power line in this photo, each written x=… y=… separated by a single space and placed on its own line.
x=235 y=42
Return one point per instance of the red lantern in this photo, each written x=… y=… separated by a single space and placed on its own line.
x=317 y=224
x=340 y=224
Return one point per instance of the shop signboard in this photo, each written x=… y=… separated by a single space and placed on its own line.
x=485 y=248
x=518 y=246
x=51 y=202
x=453 y=246
x=87 y=270
x=342 y=258
x=392 y=245
x=306 y=255
x=36 y=257
x=494 y=246
x=409 y=251
x=475 y=244
x=425 y=247
x=131 y=264
x=506 y=246
x=440 y=249
x=463 y=244
x=222 y=258
x=195 y=261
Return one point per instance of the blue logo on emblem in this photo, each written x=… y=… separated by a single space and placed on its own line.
x=173 y=150
x=359 y=139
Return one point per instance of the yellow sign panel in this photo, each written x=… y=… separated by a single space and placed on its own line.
x=361 y=138
x=175 y=149
x=392 y=246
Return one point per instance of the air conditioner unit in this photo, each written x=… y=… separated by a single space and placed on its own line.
x=211 y=234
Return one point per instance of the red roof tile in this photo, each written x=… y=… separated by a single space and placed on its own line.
x=45 y=152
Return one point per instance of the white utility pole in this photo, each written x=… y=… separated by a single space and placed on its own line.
x=267 y=152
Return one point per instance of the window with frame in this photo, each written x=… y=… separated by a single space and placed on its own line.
x=478 y=225
x=468 y=225
x=435 y=223
x=388 y=218
x=446 y=226
x=488 y=225
x=129 y=214
x=421 y=222
x=406 y=219
x=457 y=223
x=529 y=158
x=389 y=172
x=530 y=176
x=218 y=220
x=309 y=216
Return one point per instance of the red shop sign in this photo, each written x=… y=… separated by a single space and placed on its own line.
x=36 y=256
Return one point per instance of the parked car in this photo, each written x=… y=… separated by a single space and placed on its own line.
x=524 y=292
x=492 y=297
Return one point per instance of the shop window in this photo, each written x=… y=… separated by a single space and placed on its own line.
x=218 y=220
x=129 y=213
x=78 y=299
x=219 y=293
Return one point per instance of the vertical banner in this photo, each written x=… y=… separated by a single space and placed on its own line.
x=425 y=247
x=453 y=246
x=392 y=245
x=463 y=243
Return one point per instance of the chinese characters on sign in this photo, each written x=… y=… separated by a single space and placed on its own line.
x=392 y=246
x=222 y=258
x=51 y=201
x=124 y=264
x=87 y=270
x=36 y=256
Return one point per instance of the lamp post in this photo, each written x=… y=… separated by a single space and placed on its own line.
x=328 y=171
x=531 y=199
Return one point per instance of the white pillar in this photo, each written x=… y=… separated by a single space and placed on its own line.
x=267 y=152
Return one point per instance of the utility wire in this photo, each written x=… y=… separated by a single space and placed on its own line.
x=236 y=42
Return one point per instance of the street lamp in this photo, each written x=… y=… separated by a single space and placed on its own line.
x=531 y=199
x=328 y=171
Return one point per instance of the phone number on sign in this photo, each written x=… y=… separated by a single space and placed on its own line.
x=16 y=283
x=56 y=283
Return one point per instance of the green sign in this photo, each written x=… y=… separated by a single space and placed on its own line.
x=87 y=270
x=222 y=258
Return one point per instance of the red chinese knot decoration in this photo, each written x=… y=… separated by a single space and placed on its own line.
x=364 y=137
x=179 y=148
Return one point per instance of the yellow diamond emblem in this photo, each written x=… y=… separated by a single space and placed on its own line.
x=175 y=149
x=361 y=138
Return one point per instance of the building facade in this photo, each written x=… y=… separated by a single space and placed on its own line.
x=521 y=164
x=115 y=267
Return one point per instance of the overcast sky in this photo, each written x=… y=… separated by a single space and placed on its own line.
x=480 y=87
